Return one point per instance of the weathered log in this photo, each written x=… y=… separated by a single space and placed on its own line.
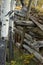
x=38 y=24
x=32 y=51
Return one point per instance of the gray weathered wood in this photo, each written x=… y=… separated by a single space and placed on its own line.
x=38 y=24
x=32 y=51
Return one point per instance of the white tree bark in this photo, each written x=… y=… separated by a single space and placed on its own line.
x=7 y=5
x=35 y=2
x=5 y=8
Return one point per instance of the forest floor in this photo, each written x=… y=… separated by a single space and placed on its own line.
x=18 y=59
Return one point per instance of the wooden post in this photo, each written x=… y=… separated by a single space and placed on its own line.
x=11 y=25
x=29 y=9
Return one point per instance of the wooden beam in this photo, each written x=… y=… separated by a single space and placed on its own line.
x=38 y=24
x=32 y=51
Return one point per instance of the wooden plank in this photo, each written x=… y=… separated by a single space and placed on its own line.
x=38 y=24
x=32 y=51
x=31 y=44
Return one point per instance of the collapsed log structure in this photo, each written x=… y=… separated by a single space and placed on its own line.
x=29 y=34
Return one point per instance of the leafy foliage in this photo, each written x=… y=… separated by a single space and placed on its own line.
x=40 y=3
